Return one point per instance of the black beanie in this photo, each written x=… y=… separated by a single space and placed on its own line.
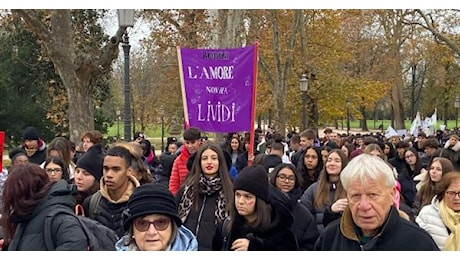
x=150 y=198
x=253 y=179
x=30 y=133
x=92 y=161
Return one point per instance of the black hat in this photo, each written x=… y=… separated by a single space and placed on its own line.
x=92 y=161
x=16 y=152
x=253 y=179
x=150 y=198
x=30 y=133
x=139 y=135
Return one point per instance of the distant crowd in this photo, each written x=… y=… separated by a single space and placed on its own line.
x=294 y=192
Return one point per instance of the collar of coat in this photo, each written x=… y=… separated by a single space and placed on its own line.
x=349 y=229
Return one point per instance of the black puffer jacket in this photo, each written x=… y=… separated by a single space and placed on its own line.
x=277 y=236
x=65 y=229
x=109 y=212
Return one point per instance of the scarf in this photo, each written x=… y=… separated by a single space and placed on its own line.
x=32 y=151
x=207 y=187
x=452 y=221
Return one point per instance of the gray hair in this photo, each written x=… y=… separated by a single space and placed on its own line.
x=364 y=167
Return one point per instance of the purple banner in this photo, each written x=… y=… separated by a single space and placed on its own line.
x=218 y=88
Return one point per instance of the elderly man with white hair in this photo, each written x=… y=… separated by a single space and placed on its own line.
x=371 y=221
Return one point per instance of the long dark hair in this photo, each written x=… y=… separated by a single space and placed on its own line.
x=24 y=189
x=59 y=161
x=193 y=178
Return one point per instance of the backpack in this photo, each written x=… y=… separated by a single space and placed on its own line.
x=100 y=237
x=93 y=202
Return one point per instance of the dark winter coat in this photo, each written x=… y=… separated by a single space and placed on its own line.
x=304 y=225
x=308 y=198
x=65 y=229
x=201 y=220
x=109 y=212
x=277 y=236
x=397 y=234
x=242 y=161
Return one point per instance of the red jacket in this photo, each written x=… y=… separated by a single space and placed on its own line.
x=179 y=171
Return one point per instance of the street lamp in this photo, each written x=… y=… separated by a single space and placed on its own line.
x=126 y=19
x=348 y=116
x=456 y=105
x=382 y=108
x=162 y=114
x=118 y=123
x=303 y=89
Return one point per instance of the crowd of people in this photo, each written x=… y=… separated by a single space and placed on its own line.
x=295 y=192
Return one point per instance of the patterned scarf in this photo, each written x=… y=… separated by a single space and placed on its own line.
x=207 y=187
x=452 y=221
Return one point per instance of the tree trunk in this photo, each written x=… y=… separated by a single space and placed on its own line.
x=76 y=67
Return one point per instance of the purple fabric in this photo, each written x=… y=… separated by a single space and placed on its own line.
x=217 y=85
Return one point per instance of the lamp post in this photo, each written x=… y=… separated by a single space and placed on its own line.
x=382 y=108
x=456 y=105
x=126 y=19
x=118 y=123
x=303 y=89
x=162 y=115
x=348 y=116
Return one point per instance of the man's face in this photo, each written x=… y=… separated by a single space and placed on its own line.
x=305 y=142
x=115 y=172
x=370 y=202
x=31 y=144
x=192 y=146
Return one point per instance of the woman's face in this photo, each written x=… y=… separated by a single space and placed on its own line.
x=324 y=154
x=285 y=180
x=451 y=198
x=245 y=203
x=172 y=148
x=410 y=157
x=345 y=150
x=310 y=159
x=83 y=180
x=54 y=171
x=435 y=171
x=234 y=143
x=386 y=149
x=86 y=143
x=209 y=163
x=334 y=164
x=152 y=232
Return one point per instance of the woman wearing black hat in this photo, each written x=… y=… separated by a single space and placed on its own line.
x=153 y=223
x=260 y=219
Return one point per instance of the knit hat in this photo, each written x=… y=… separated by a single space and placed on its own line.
x=92 y=161
x=253 y=179
x=150 y=198
x=30 y=133
x=16 y=152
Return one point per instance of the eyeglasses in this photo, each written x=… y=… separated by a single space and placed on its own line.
x=410 y=156
x=159 y=224
x=51 y=170
x=453 y=194
x=284 y=178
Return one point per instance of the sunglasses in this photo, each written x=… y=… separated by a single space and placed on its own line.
x=159 y=224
